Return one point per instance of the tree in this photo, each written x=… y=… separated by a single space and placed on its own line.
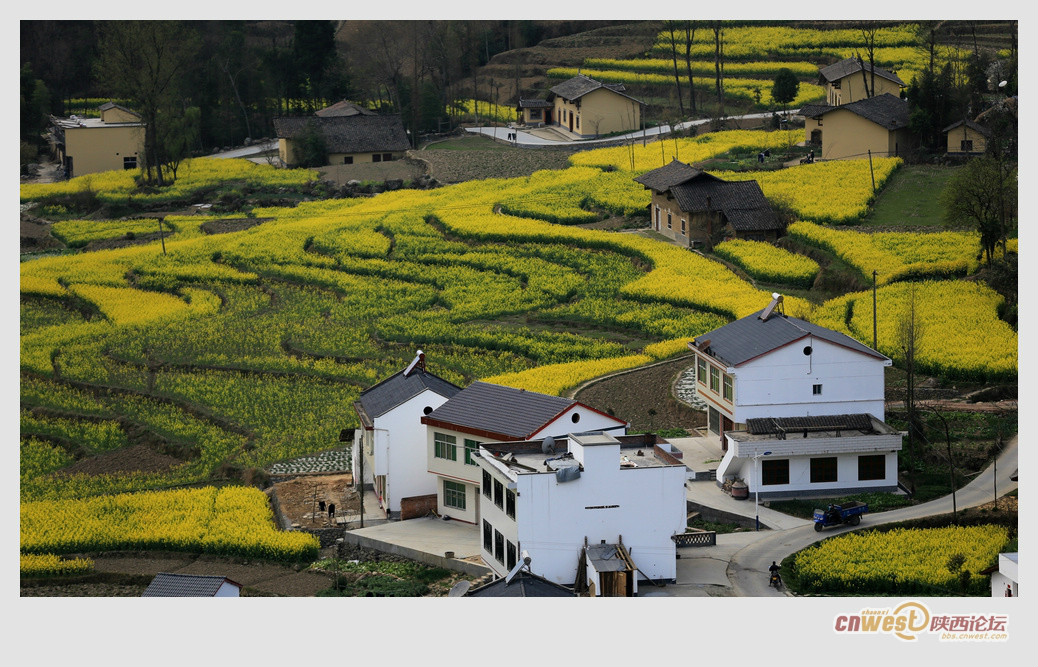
x=146 y=62
x=933 y=103
x=671 y=27
x=983 y=195
x=35 y=102
x=313 y=150
x=178 y=138
x=785 y=87
x=868 y=36
x=909 y=331
x=690 y=37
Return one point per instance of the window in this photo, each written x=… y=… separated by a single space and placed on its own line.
x=715 y=379
x=967 y=145
x=823 y=470
x=445 y=446
x=701 y=370
x=454 y=494
x=657 y=218
x=774 y=471
x=499 y=494
x=486 y=483
x=387 y=157
x=578 y=122
x=471 y=447
x=510 y=503
x=130 y=162
x=728 y=387
x=488 y=536
x=575 y=418
x=668 y=221
x=376 y=157
x=510 y=561
x=499 y=547
x=816 y=389
x=873 y=466
x=683 y=228
x=535 y=114
x=348 y=159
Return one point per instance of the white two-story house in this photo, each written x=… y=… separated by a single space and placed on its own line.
x=798 y=408
x=486 y=413
x=392 y=438
x=592 y=510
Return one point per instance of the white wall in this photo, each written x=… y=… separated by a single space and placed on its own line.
x=400 y=452
x=643 y=505
x=800 y=473
x=586 y=420
x=227 y=590
x=779 y=384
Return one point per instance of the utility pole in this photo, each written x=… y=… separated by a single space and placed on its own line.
x=871 y=172
x=874 y=339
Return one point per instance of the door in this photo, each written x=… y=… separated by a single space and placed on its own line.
x=570 y=121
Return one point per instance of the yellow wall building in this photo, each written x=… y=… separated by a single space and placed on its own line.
x=844 y=82
x=851 y=131
x=348 y=139
x=89 y=145
x=966 y=138
x=590 y=108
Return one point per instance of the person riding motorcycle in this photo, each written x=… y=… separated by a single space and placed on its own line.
x=774 y=579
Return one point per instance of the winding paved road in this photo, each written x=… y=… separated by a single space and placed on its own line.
x=748 y=568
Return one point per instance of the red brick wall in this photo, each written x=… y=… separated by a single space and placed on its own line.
x=416 y=506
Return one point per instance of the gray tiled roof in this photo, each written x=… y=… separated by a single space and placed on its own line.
x=839 y=70
x=669 y=175
x=970 y=124
x=523 y=585
x=399 y=388
x=581 y=84
x=812 y=110
x=500 y=410
x=884 y=110
x=344 y=108
x=167 y=585
x=742 y=202
x=750 y=337
x=349 y=134
x=112 y=105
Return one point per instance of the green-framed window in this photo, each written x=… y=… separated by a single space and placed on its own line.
x=715 y=379
x=453 y=494
x=471 y=447
x=701 y=370
x=728 y=387
x=445 y=446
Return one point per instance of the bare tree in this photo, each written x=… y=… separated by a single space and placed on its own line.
x=690 y=36
x=908 y=334
x=719 y=65
x=671 y=26
x=868 y=35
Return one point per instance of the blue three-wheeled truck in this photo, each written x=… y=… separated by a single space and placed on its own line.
x=838 y=514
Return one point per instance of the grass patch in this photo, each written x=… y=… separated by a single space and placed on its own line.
x=381 y=578
x=877 y=502
x=911 y=198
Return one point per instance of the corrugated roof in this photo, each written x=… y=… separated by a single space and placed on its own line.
x=533 y=104
x=847 y=66
x=168 y=585
x=523 y=585
x=500 y=410
x=849 y=422
x=349 y=134
x=399 y=388
x=884 y=110
x=749 y=337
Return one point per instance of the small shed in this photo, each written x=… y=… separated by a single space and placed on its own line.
x=534 y=113
x=170 y=585
x=965 y=137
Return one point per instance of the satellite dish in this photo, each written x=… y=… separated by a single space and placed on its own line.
x=1002 y=84
x=459 y=589
x=548 y=446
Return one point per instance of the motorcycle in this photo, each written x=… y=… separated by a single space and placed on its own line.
x=775 y=580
